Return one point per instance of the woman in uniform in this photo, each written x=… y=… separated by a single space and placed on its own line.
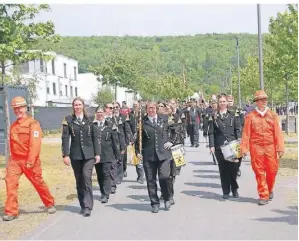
x=108 y=142
x=225 y=126
x=82 y=153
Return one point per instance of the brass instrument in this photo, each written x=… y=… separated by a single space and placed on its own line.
x=140 y=134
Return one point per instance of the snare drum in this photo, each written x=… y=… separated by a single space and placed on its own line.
x=231 y=150
x=178 y=153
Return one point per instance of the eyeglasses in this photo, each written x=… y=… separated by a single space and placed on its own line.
x=109 y=107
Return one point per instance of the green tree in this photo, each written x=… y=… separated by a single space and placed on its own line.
x=103 y=96
x=283 y=44
x=19 y=33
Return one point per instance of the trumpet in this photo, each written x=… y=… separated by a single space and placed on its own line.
x=140 y=134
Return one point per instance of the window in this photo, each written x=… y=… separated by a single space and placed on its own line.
x=41 y=65
x=64 y=67
x=76 y=92
x=75 y=73
x=48 y=90
x=66 y=90
x=71 y=91
x=54 y=88
x=60 y=88
x=53 y=66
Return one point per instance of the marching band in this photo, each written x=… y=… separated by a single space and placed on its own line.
x=151 y=136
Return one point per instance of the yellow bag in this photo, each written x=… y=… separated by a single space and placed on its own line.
x=131 y=155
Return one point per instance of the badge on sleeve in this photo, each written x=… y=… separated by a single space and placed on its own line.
x=36 y=134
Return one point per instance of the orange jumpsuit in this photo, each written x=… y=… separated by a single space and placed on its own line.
x=25 y=147
x=262 y=136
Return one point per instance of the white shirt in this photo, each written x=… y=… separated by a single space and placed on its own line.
x=152 y=119
x=262 y=113
x=80 y=116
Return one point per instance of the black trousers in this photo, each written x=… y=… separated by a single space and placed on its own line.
x=163 y=168
x=104 y=177
x=120 y=168
x=228 y=173
x=125 y=159
x=83 y=174
x=194 y=133
x=113 y=173
x=140 y=172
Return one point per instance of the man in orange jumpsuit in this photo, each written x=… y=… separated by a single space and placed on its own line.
x=25 y=147
x=262 y=137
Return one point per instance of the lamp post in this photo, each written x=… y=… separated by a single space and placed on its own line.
x=239 y=85
x=260 y=48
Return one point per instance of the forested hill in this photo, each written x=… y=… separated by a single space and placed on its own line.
x=211 y=53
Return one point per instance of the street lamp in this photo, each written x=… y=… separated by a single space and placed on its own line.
x=260 y=48
x=239 y=85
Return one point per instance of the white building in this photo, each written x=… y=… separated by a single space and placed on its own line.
x=57 y=80
x=89 y=84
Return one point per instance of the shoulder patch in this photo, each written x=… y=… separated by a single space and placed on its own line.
x=183 y=116
x=179 y=121
x=120 y=122
x=64 y=122
x=36 y=134
x=236 y=114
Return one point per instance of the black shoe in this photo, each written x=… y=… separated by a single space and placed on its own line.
x=167 y=205
x=9 y=218
x=197 y=145
x=113 y=190
x=82 y=211
x=86 y=212
x=263 y=202
x=125 y=174
x=172 y=202
x=235 y=194
x=155 y=209
x=239 y=173
x=140 y=180
x=225 y=196
x=271 y=196
x=104 y=199
x=192 y=146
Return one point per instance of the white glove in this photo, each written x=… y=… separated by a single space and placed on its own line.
x=167 y=145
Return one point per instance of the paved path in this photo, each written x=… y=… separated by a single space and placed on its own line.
x=199 y=212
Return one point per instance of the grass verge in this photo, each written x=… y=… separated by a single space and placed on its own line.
x=288 y=170
x=60 y=180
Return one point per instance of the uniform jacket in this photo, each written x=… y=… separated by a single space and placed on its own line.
x=221 y=129
x=108 y=141
x=208 y=112
x=194 y=115
x=176 y=129
x=262 y=131
x=83 y=137
x=25 y=140
x=154 y=136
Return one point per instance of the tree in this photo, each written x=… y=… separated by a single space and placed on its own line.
x=19 y=33
x=103 y=96
x=283 y=45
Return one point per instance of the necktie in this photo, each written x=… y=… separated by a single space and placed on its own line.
x=154 y=121
x=79 y=120
x=101 y=125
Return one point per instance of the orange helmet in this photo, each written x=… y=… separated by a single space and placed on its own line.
x=260 y=94
x=18 y=101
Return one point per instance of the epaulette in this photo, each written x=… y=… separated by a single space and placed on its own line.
x=66 y=120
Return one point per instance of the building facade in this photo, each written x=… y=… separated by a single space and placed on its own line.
x=56 y=80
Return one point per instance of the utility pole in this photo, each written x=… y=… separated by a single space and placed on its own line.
x=239 y=84
x=230 y=80
x=261 y=74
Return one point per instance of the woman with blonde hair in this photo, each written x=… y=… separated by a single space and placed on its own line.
x=82 y=153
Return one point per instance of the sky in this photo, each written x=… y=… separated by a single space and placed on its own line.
x=158 y=20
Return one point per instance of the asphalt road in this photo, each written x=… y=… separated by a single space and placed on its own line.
x=199 y=212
